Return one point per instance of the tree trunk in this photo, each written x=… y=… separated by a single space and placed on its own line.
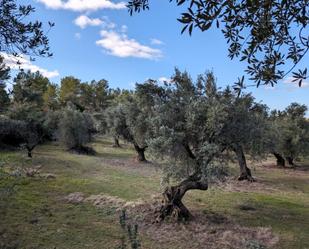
x=280 y=159
x=29 y=150
x=290 y=160
x=29 y=154
x=245 y=172
x=172 y=199
x=116 y=142
x=140 y=153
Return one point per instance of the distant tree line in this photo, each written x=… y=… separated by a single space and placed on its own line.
x=36 y=110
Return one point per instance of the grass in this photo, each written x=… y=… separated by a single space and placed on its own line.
x=37 y=217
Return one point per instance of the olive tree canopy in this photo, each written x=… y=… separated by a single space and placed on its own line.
x=193 y=124
x=271 y=36
x=130 y=120
x=18 y=34
x=291 y=133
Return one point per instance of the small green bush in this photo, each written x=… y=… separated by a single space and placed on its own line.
x=130 y=233
x=253 y=244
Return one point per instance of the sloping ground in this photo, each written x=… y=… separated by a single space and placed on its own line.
x=40 y=214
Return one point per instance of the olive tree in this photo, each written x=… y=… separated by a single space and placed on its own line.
x=51 y=124
x=110 y=115
x=114 y=119
x=19 y=133
x=291 y=129
x=27 y=106
x=130 y=117
x=183 y=137
x=245 y=129
x=193 y=124
x=26 y=127
x=10 y=131
x=128 y=121
x=76 y=130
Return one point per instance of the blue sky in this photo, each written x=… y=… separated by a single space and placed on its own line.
x=98 y=39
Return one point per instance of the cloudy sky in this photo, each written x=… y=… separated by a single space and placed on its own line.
x=95 y=39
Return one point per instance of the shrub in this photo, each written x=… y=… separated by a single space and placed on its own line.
x=11 y=132
x=130 y=238
x=253 y=244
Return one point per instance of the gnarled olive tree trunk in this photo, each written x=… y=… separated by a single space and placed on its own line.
x=172 y=205
x=140 y=152
x=280 y=159
x=245 y=172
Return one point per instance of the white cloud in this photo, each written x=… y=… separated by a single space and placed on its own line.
x=23 y=62
x=120 y=45
x=107 y=23
x=82 y=5
x=164 y=79
x=155 y=41
x=53 y=4
x=84 y=21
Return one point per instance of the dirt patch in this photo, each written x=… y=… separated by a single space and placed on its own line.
x=232 y=185
x=75 y=198
x=102 y=200
x=48 y=176
x=206 y=229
